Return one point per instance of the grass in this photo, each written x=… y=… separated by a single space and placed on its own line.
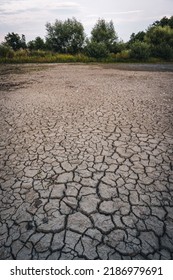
x=25 y=56
x=46 y=58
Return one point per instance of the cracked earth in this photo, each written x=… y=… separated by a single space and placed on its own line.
x=86 y=163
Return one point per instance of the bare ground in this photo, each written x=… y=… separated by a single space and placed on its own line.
x=86 y=162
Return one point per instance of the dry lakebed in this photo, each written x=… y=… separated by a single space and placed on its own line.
x=86 y=161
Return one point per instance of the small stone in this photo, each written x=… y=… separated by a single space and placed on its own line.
x=37 y=203
x=30 y=225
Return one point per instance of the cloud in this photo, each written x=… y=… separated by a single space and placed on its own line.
x=30 y=16
x=22 y=6
x=16 y=6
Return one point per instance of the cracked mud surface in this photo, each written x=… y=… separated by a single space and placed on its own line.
x=86 y=164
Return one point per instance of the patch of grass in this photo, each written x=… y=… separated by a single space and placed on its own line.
x=45 y=57
x=26 y=56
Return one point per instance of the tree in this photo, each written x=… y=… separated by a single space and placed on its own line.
x=118 y=47
x=65 y=37
x=171 y=22
x=96 y=49
x=140 y=50
x=140 y=36
x=163 y=50
x=15 y=41
x=161 y=41
x=37 y=44
x=164 y=22
x=104 y=32
x=157 y=35
x=6 y=51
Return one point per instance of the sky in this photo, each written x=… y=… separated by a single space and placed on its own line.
x=29 y=17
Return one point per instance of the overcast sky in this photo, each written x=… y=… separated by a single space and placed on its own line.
x=30 y=16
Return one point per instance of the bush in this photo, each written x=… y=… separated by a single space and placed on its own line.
x=118 y=47
x=96 y=49
x=40 y=53
x=163 y=50
x=140 y=51
x=21 y=53
x=123 y=56
x=6 y=51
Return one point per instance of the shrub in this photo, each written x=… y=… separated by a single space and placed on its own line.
x=123 y=56
x=6 y=51
x=40 y=53
x=96 y=49
x=140 y=51
x=163 y=50
x=21 y=53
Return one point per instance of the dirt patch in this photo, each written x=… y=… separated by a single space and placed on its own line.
x=9 y=75
x=166 y=67
x=7 y=69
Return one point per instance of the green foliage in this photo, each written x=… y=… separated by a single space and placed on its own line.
x=123 y=56
x=157 y=35
x=118 y=47
x=24 y=56
x=6 y=51
x=140 y=51
x=21 y=53
x=37 y=44
x=163 y=50
x=65 y=37
x=96 y=49
x=161 y=41
x=15 y=41
x=164 y=22
x=65 y=42
x=104 y=32
x=140 y=36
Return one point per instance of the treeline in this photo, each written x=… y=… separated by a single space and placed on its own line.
x=66 y=41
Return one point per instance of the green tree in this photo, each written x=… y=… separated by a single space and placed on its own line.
x=104 y=32
x=140 y=50
x=6 y=51
x=118 y=47
x=171 y=22
x=158 y=34
x=161 y=41
x=163 y=50
x=164 y=22
x=37 y=44
x=65 y=37
x=96 y=49
x=140 y=36
x=15 y=41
